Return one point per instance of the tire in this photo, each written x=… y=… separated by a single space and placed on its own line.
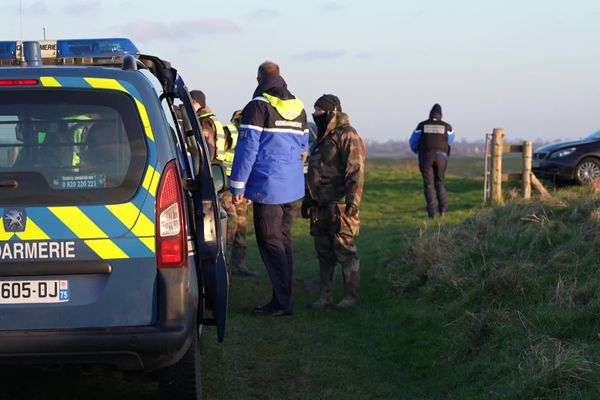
x=183 y=380
x=587 y=171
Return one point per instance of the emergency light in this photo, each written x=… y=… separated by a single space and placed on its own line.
x=8 y=50
x=106 y=51
x=95 y=47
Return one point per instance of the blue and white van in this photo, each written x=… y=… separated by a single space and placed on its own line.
x=111 y=245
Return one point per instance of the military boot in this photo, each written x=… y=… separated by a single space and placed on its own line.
x=327 y=274
x=238 y=262
x=351 y=275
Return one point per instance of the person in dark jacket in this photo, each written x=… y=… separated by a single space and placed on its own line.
x=336 y=168
x=431 y=141
x=268 y=169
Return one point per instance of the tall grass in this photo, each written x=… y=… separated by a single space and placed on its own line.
x=519 y=287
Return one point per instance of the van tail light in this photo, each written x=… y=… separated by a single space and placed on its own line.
x=171 y=235
x=18 y=82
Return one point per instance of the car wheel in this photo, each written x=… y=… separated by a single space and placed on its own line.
x=587 y=171
x=183 y=380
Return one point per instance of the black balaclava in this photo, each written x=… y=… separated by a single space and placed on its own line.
x=436 y=112
x=321 y=122
x=328 y=103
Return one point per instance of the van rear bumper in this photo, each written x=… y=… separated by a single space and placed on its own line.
x=126 y=348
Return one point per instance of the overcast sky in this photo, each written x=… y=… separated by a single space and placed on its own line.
x=529 y=66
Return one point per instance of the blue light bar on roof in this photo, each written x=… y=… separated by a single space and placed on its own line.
x=8 y=50
x=95 y=47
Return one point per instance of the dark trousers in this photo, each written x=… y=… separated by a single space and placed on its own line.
x=433 y=169
x=273 y=226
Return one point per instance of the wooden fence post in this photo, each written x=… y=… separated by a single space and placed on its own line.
x=497 y=146
x=486 y=169
x=527 y=156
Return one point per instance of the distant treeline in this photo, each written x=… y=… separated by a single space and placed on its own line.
x=461 y=148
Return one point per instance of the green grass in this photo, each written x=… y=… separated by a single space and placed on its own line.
x=367 y=352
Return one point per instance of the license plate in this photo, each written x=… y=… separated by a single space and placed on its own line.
x=34 y=292
x=535 y=163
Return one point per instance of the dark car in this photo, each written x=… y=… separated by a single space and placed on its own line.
x=577 y=160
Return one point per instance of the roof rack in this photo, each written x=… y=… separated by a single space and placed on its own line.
x=112 y=52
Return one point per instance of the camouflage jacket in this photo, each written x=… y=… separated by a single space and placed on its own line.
x=336 y=164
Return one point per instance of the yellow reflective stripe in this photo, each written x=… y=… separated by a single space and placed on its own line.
x=32 y=232
x=78 y=222
x=108 y=83
x=150 y=242
x=219 y=126
x=135 y=220
x=148 y=177
x=5 y=235
x=154 y=184
x=132 y=218
x=49 y=81
x=145 y=119
x=150 y=182
x=234 y=138
x=127 y=213
x=106 y=249
x=143 y=226
x=105 y=83
x=229 y=156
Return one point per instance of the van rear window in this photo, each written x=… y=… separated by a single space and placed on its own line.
x=69 y=146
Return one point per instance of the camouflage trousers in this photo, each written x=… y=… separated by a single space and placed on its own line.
x=236 y=229
x=334 y=234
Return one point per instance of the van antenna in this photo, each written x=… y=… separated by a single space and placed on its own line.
x=21 y=19
x=22 y=60
x=44 y=29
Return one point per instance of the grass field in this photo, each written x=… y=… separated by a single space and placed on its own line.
x=496 y=304
x=359 y=353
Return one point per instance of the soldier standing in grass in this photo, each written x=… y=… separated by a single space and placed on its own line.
x=431 y=140
x=335 y=179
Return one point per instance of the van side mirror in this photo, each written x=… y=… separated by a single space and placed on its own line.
x=219 y=177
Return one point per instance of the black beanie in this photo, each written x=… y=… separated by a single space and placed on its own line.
x=329 y=102
x=199 y=97
x=436 y=112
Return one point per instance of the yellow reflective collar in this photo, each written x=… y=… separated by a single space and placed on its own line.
x=288 y=109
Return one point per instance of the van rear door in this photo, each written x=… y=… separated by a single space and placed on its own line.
x=209 y=235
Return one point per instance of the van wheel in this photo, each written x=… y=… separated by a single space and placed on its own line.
x=183 y=380
x=587 y=171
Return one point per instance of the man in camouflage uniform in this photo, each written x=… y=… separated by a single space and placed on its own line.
x=237 y=213
x=335 y=179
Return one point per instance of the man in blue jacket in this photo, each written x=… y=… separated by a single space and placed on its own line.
x=431 y=140
x=268 y=169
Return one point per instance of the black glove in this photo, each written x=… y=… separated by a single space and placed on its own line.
x=351 y=210
x=305 y=209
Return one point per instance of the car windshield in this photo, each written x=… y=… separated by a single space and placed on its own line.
x=61 y=146
x=594 y=136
